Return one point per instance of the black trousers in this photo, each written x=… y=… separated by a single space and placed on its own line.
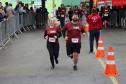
x=53 y=49
x=94 y=34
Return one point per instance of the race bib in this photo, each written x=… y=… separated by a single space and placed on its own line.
x=75 y=27
x=62 y=15
x=105 y=14
x=52 y=40
x=52 y=32
x=75 y=40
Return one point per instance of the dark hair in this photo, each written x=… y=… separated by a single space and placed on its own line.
x=6 y=3
x=94 y=10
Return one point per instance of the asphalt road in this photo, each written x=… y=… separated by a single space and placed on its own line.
x=26 y=61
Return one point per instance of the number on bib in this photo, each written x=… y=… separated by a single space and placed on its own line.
x=75 y=40
x=52 y=40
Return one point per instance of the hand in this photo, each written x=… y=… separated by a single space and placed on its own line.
x=84 y=34
x=66 y=38
x=46 y=37
x=55 y=37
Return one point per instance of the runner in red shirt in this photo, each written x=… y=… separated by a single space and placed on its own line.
x=73 y=39
x=52 y=33
x=95 y=25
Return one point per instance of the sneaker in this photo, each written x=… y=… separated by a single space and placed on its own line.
x=75 y=68
x=52 y=67
x=90 y=52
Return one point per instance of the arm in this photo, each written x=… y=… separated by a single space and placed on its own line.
x=59 y=32
x=45 y=34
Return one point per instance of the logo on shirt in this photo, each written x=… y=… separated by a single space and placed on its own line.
x=75 y=27
x=94 y=19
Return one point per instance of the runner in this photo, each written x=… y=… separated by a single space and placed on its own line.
x=73 y=39
x=95 y=25
x=52 y=33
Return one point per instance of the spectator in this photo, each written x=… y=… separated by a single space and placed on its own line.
x=10 y=11
x=6 y=5
x=19 y=8
x=1 y=5
x=26 y=7
x=1 y=15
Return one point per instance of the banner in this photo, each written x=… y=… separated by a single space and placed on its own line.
x=118 y=2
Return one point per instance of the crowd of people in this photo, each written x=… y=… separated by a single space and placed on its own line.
x=8 y=11
x=71 y=32
x=71 y=23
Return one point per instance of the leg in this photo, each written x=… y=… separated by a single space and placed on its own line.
x=69 y=50
x=97 y=35
x=56 y=52
x=91 y=41
x=76 y=52
x=75 y=60
x=50 y=49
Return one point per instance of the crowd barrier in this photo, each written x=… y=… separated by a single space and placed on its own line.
x=14 y=25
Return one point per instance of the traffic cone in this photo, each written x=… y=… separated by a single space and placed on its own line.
x=110 y=69
x=100 y=51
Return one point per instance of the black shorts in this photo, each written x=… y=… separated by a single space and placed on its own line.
x=73 y=47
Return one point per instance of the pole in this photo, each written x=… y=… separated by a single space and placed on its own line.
x=43 y=4
x=91 y=5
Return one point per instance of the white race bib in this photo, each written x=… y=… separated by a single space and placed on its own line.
x=62 y=15
x=52 y=40
x=52 y=32
x=75 y=40
x=105 y=14
x=75 y=27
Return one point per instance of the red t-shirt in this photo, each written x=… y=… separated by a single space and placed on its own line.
x=51 y=32
x=94 y=21
x=73 y=32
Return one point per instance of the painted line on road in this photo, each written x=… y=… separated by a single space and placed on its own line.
x=113 y=79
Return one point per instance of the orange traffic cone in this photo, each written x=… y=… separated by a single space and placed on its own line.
x=100 y=51
x=110 y=69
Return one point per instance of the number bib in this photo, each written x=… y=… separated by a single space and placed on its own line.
x=75 y=40
x=105 y=14
x=52 y=40
x=62 y=15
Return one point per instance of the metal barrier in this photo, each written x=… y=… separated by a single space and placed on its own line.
x=14 y=25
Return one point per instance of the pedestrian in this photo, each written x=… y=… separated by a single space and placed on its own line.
x=72 y=34
x=62 y=15
x=95 y=25
x=52 y=33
